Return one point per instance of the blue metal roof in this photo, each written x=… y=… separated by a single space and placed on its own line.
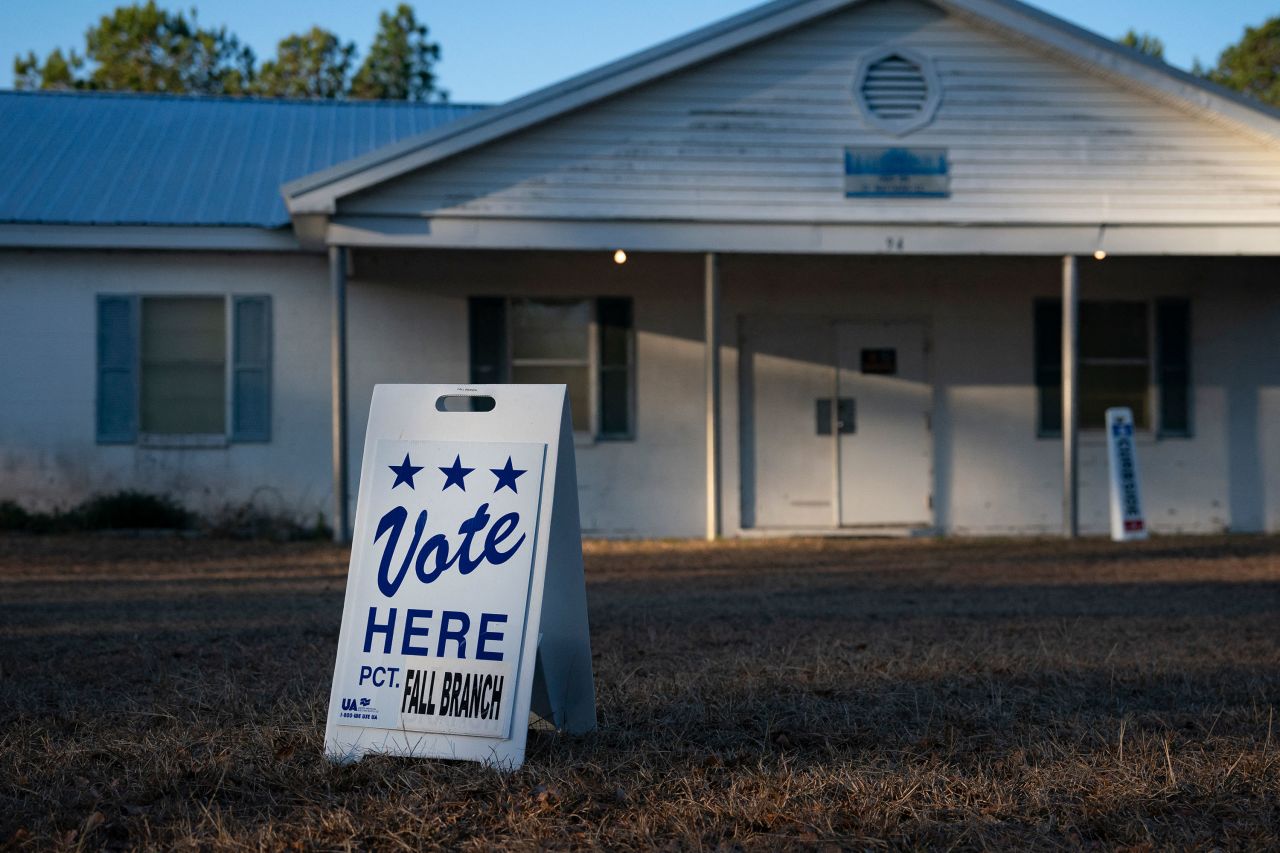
x=92 y=158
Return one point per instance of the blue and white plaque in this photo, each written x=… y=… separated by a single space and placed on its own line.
x=896 y=173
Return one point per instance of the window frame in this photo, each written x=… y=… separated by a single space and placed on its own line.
x=591 y=362
x=247 y=365
x=1155 y=427
x=190 y=440
x=593 y=434
x=628 y=370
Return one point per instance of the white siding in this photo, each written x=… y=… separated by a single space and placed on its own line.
x=48 y=452
x=408 y=323
x=759 y=135
x=992 y=474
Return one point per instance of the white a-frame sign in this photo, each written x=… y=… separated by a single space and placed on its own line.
x=465 y=605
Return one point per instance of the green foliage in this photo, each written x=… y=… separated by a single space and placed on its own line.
x=1143 y=43
x=14 y=517
x=148 y=49
x=130 y=510
x=1252 y=66
x=144 y=48
x=125 y=510
x=133 y=510
x=400 y=61
x=316 y=64
x=58 y=71
x=248 y=521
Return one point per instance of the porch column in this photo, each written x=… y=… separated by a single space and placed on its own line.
x=338 y=393
x=711 y=317
x=1070 y=396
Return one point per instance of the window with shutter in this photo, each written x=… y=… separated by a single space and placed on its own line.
x=1119 y=364
x=587 y=345
x=166 y=366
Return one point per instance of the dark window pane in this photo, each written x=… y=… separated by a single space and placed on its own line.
x=1175 y=405
x=1113 y=330
x=550 y=329
x=1105 y=385
x=1048 y=364
x=488 y=321
x=184 y=365
x=882 y=361
x=578 y=380
x=1173 y=364
x=615 y=401
x=1050 y=399
x=614 y=317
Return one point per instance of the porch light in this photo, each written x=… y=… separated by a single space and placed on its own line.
x=619 y=257
x=1099 y=255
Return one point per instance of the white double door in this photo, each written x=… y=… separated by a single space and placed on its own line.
x=839 y=431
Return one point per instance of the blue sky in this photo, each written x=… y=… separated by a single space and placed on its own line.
x=497 y=49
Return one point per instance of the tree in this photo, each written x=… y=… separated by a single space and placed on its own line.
x=58 y=71
x=1252 y=66
x=316 y=64
x=1143 y=43
x=400 y=61
x=142 y=48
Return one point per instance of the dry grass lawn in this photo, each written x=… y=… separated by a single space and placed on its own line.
x=758 y=695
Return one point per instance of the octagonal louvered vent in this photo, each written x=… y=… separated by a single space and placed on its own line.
x=897 y=89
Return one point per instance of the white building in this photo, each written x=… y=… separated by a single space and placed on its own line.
x=850 y=226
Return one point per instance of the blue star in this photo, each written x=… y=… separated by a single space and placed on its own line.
x=506 y=476
x=404 y=472
x=455 y=473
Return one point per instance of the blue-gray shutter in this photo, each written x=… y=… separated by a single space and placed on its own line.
x=117 y=399
x=487 y=321
x=1173 y=366
x=251 y=369
x=1048 y=365
x=616 y=366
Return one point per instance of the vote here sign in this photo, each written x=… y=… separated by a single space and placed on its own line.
x=1127 y=520
x=441 y=625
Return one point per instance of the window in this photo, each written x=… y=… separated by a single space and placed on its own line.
x=167 y=367
x=551 y=344
x=1119 y=363
x=184 y=366
x=585 y=344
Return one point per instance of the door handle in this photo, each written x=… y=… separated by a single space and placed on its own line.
x=846 y=416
